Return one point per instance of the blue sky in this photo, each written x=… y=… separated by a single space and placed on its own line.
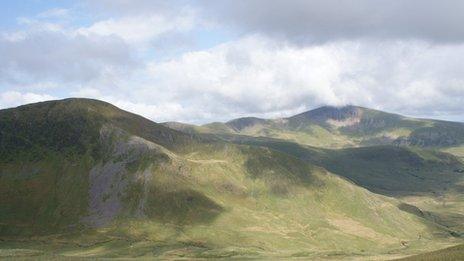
x=11 y=10
x=200 y=61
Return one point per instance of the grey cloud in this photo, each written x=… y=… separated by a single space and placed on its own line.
x=59 y=56
x=315 y=21
x=137 y=7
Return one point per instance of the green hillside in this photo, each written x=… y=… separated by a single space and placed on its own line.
x=395 y=170
x=81 y=178
x=385 y=169
x=429 y=180
x=447 y=254
x=48 y=151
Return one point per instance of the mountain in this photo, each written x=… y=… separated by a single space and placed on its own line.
x=94 y=181
x=348 y=126
x=52 y=155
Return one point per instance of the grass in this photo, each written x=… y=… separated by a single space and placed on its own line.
x=457 y=151
x=389 y=170
x=447 y=254
x=428 y=179
x=43 y=197
x=394 y=170
x=248 y=202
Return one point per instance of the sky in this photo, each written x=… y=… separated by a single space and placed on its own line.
x=200 y=61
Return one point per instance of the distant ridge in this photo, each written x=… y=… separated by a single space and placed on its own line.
x=343 y=126
x=331 y=112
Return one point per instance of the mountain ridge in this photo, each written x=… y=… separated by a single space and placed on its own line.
x=95 y=181
x=345 y=126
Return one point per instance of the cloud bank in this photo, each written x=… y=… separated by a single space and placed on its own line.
x=284 y=57
x=315 y=21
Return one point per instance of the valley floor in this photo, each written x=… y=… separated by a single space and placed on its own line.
x=102 y=247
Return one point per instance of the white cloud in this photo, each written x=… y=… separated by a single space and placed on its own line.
x=141 y=29
x=54 y=13
x=12 y=98
x=257 y=76
x=160 y=111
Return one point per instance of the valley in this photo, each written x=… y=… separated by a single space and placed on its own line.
x=81 y=178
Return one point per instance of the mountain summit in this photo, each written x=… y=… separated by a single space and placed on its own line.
x=331 y=113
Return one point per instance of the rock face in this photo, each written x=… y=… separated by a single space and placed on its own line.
x=109 y=181
x=442 y=134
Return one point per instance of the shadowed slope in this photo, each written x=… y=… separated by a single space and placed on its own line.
x=389 y=170
x=58 y=157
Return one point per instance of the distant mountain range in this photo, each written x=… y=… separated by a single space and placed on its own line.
x=83 y=178
x=348 y=126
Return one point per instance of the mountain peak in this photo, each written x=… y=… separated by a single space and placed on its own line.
x=332 y=113
x=77 y=122
x=69 y=107
x=68 y=102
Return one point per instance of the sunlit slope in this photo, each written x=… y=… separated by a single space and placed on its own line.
x=457 y=151
x=349 y=126
x=121 y=185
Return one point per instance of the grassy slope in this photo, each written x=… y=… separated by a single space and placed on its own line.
x=204 y=199
x=427 y=179
x=223 y=200
x=395 y=170
x=383 y=169
x=278 y=213
x=447 y=254
x=46 y=153
x=42 y=197
x=457 y=151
